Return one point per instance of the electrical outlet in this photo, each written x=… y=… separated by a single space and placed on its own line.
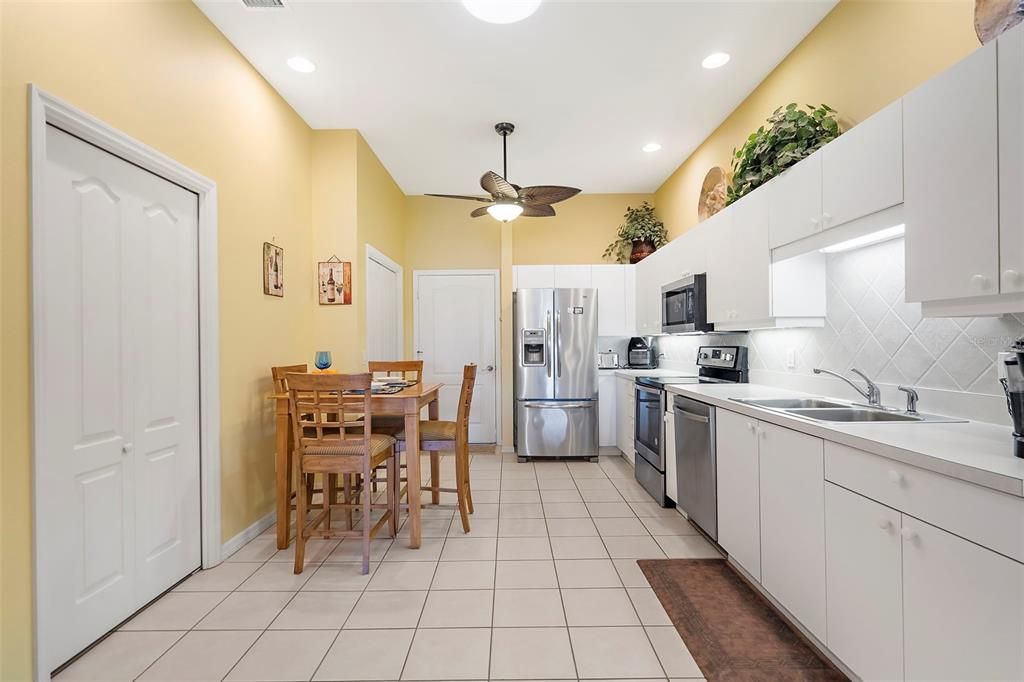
x=791 y=358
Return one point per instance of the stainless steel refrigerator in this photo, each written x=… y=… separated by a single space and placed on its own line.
x=555 y=379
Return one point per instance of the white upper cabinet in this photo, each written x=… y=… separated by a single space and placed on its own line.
x=794 y=207
x=951 y=184
x=534 y=276
x=573 y=276
x=1010 y=48
x=862 y=169
x=614 y=298
x=648 y=297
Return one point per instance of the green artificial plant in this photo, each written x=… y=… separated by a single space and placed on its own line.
x=641 y=225
x=790 y=135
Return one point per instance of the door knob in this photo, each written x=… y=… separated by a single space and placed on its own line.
x=126 y=448
x=490 y=368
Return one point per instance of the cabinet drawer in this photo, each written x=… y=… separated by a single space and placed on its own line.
x=987 y=517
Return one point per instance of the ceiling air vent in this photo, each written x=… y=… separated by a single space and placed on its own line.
x=263 y=4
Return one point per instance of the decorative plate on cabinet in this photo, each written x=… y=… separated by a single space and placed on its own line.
x=712 y=193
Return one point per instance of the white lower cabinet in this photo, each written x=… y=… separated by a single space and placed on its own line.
x=792 y=491
x=624 y=401
x=963 y=608
x=606 y=410
x=863 y=564
x=739 y=513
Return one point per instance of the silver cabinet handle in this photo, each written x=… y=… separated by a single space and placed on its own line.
x=559 y=406
x=693 y=417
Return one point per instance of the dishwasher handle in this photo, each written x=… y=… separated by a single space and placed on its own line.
x=691 y=416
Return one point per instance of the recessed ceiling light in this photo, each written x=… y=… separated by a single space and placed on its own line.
x=715 y=60
x=651 y=147
x=501 y=11
x=301 y=64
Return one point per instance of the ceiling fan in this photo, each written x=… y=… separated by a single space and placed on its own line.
x=509 y=201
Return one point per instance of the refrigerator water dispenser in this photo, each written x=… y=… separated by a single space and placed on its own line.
x=534 y=348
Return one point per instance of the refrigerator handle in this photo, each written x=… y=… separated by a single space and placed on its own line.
x=558 y=343
x=547 y=343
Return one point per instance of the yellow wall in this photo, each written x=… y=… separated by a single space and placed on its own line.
x=584 y=226
x=163 y=74
x=334 y=234
x=864 y=55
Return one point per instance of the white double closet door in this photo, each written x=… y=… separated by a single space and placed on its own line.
x=117 y=364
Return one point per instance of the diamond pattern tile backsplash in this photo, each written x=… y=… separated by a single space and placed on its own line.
x=871 y=327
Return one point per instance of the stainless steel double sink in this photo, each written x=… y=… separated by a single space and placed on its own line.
x=825 y=410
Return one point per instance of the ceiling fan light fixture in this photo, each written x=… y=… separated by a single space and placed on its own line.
x=501 y=11
x=505 y=211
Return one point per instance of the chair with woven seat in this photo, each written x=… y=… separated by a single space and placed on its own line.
x=333 y=436
x=438 y=436
x=407 y=370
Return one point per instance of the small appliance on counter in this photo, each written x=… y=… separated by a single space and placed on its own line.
x=642 y=353
x=608 y=360
x=716 y=365
x=1011 y=370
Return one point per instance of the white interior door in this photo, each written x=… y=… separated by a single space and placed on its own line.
x=383 y=307
x=456 y=319
x=117 y=364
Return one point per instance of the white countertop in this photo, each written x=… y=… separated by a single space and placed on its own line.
x=657 y=372
x=971 y=451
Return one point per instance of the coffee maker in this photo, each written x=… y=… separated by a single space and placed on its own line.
x=1011 y=371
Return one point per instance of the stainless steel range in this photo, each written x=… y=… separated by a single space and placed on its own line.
x=716 y=364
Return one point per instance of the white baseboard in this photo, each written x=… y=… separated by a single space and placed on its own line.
x=507 y=449
x=236 y=543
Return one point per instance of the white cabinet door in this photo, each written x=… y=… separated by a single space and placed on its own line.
x=794 y=205
x=606 y=408
x=573 y=276
x=671 y=483
x=648 y=298
x=863 y=556
x=610 y=282
x=624 y=416
x=749 y=286
x=1010 y=47
x=963 y=608
x=716 y=235
x=629 y=300
x=792 y=491
x=862 y=169
x=951 y=182
x=739 y=529
x=535 y=276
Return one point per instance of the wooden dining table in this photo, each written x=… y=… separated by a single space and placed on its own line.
x=408 y=402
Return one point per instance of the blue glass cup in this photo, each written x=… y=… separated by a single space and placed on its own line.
x=322 y=359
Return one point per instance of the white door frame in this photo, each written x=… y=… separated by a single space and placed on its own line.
x=379 y=257
x=45 y=109
x=496 y=274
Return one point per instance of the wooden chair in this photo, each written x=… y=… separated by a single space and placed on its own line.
x=444 y=436
x=409 y=370
x=333 y=436
x=279 y=377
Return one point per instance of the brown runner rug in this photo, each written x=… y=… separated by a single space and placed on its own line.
x=732 y=631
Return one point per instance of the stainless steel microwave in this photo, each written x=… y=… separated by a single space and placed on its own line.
x=684 y=306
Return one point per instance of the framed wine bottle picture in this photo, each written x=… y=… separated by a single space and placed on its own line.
x=334 y=282
x=273 y=269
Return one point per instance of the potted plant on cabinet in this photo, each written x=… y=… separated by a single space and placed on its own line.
x=639 y=236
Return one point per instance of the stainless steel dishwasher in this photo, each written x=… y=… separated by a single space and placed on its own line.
x=696 y=466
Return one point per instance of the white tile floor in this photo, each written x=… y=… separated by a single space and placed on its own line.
x=546 y=586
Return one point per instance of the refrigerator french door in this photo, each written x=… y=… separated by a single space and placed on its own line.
x=555 y=382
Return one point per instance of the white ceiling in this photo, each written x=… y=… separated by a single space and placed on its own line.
x=586 y=83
